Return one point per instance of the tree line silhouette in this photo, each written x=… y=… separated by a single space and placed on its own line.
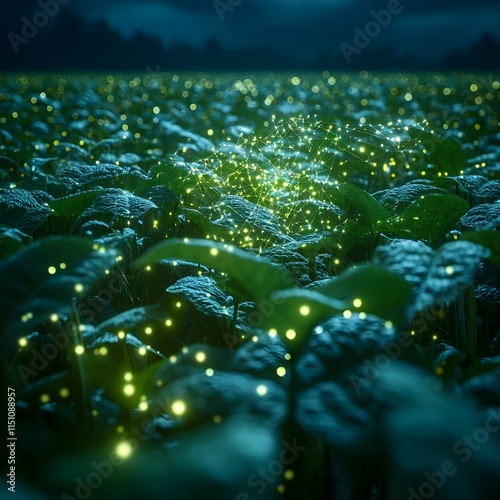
x=69 y=43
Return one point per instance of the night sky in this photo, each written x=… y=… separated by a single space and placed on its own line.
x=428 y=29
x=432 y=27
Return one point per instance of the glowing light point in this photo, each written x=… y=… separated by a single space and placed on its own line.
x=261 y=390
x=178 y=407
x=52 y=270
x=305 y=310
x=357 y=302
x=79 y=350
x=78 y=288
x=281 y=371
x=124 y=450
x=214 y=251
x=200 y=357
x=449 y=270
x=290 y=334
x=128 y=390
x=347 y=314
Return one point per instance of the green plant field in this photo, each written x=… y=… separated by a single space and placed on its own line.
x=243 y=287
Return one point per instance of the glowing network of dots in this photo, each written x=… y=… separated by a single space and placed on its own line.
x=274 y=188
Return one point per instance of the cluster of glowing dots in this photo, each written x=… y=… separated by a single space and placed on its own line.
x=297 y=161
x=128 y=388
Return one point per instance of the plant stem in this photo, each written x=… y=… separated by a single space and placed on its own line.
x=82 y=397
x=462 y=340
x=472 y=319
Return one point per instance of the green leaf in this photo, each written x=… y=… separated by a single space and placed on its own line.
x=204 y=294
x=341 y=344
x=242 y=216
x=180 y=177
x=488 y=239
x=445 y=360
x=42 y=279
x=255 y=275
x=121 y=203
x=489 y=192
x=358 y=204
x=75 y=204
x=12 y=240
x=344 y=237
x=293 y=313
x=22 y=209
x=207 y=226
x=243 y=445
x=81 y=175
x=445 y=153
x=121 y=240
x=435 y=276
x=483 y=216
x=410 y=259
x=399 y=198
x=332 y=411
x=470 y=183
x=487 y=281
x=451 y=271
x=159 y=195
x=428 y=218
x=224 y=394
x=127 y=320
x=483 y=381
x=371 y=289
x=310 y=214
x=421 y=432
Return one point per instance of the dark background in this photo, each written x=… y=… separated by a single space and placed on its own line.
x=161 y=35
